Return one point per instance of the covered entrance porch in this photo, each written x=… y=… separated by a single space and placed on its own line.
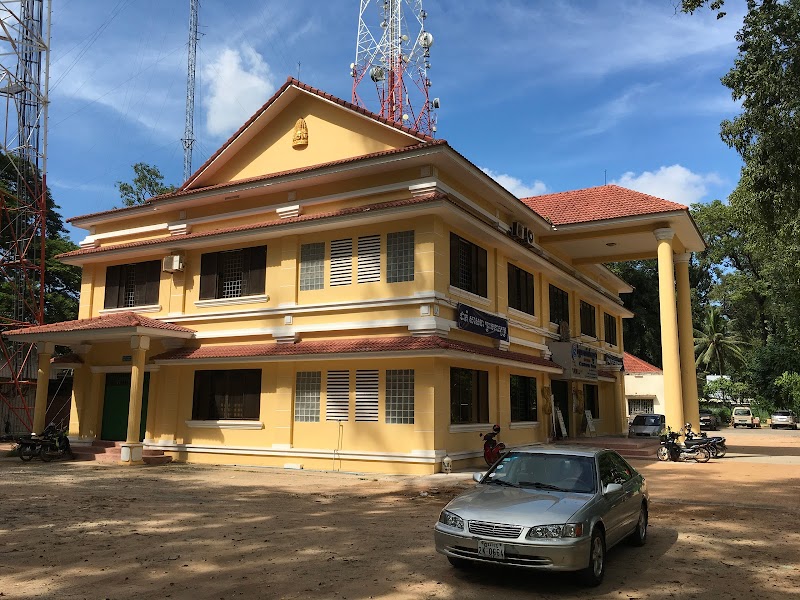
x=109 y=358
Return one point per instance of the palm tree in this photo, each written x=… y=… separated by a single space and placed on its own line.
x=715 y=345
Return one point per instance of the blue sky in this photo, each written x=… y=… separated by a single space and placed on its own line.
x=546 y=96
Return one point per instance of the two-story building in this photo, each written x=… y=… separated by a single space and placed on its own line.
x=336 y=291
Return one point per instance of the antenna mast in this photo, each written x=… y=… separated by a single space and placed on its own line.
x=188 y=132
x=394 y=56
x=24 y=50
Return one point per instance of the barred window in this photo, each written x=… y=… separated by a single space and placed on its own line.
x=231 y=274
x=469 y=396
x=400 y=256
x=228 y=394
x=400 y=396
x=523 y=398
x=588 y=319
x=520 y=289
x=468 y=266
x=306 y=396
x=312 y=266
x=130 y=288
x=640 y=406
x=132 y=285
x=559 y=305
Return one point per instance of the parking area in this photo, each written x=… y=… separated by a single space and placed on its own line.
x=80 y=530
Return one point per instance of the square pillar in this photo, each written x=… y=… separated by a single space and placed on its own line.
x=691 y=407
x=45 y=352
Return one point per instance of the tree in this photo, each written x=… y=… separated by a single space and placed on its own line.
x=147 y=182
x=715 y=345
x=789 y=385
x=725 y=389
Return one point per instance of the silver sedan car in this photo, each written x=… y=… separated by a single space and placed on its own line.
x=555 y=508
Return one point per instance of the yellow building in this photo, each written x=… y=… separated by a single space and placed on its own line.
x=335 y=291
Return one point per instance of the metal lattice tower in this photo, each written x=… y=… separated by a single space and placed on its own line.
x=24 y=53
x=188 y=132
x=394 y=55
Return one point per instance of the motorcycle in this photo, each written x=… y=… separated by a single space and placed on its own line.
x=29 y=447
x=54 y=444
x=492 y=449
x=716 y=443
x=670 y=449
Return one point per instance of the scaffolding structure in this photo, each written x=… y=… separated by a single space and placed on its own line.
x=24 y=75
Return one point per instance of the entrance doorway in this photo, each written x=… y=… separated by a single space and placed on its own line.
x=561 y=401
x=116 y=403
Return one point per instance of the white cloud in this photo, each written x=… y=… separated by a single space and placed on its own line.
x=516 y=186
x=675 y=183
x=237 y=83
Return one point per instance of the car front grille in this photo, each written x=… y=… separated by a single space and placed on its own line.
x=498 y=530
x=512 y=558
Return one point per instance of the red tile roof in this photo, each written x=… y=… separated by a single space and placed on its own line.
x=597 y=204
x=291 y=81
x=114 y=321
x=385 y=344
x=219 y=186
x=634 y=364
x=169 y=240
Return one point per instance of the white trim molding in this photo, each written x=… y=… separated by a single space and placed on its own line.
x=469 y=296
x=465 y=427
x=148 y=308
x=224 y=424
x=255 y=299
x=524 y=425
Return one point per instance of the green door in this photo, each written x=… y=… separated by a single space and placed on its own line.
x=115 y=407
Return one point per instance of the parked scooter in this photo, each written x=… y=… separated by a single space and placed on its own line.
x=54 y=444
x=492 y=449
x=716 y=443
x=29 y=447
x=670 y=449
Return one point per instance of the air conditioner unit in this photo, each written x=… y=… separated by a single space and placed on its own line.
x=172 y=263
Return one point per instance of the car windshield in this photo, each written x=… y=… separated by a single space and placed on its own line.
x=554 y=472
x=647 y=420
x=782 y=413
x=741 y=411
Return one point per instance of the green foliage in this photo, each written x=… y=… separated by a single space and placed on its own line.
x=789 y=386
x=716 y=345
x=147 y=182
x=725 y=389
x=690 y=6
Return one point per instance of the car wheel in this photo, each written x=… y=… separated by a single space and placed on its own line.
x=639 y=535
x=458 y=563
x=593 y=574
x=663 y=453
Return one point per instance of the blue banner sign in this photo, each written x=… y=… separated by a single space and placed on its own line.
x=477 y=321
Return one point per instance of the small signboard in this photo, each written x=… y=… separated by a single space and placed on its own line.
x=561 y=422
x=613 y=361
x=477 y=321
x=590 y=428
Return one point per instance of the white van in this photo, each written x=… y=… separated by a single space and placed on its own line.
x=742 y=417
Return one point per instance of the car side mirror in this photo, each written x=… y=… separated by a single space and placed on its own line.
x=611 y=488
x=478 y=476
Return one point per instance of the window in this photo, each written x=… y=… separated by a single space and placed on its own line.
x=132 y=285
x=233 y=394
x=233 y=274
x=590 y=400
x=588 y=320
x=469 y=396
x=342 y=262
x=400 y=256
x=306 y=396
x=520 y=289
x=467 y=266
x=312 y=266
x=613 y=469
x=610 y=328
x=369 y=259
x=400 y=396
x=338 y=396
x=523 y=398
x=559 y=305
x=640 y=406
x=367 y=396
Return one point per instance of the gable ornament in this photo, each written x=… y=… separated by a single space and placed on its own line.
x=300 y=138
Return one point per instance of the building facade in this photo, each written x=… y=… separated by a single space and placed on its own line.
x=334 y=291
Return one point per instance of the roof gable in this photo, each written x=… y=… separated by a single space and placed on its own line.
x=337 y=130
x=634 y=364
x=597 y=204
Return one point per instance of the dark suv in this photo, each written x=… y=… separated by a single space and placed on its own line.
x=708 y=420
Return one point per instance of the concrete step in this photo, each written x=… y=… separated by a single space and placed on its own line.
x=110 y=452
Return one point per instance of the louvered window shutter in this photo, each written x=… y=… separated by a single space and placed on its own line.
x=338 y=396
x=254 y=270
x=208 y=275
x=367 y=396
x=342 y=262
x=152 y=271
x=369 y=259
x=112 y=286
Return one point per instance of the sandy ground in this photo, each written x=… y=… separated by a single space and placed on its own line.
x=726 y=529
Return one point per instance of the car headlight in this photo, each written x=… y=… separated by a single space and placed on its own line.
x=572 y=530
x=451 y=520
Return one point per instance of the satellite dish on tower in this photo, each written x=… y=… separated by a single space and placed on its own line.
x=377 y=74
x=426 y=39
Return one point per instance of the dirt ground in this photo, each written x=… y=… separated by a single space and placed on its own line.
x=726 y=529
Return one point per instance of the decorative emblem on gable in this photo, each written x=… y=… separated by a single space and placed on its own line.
x=300 y=138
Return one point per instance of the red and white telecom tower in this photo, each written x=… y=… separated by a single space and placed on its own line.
x=393 y=53
x=24 y=65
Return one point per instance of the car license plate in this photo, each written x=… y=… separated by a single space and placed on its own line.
x=491 y=549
